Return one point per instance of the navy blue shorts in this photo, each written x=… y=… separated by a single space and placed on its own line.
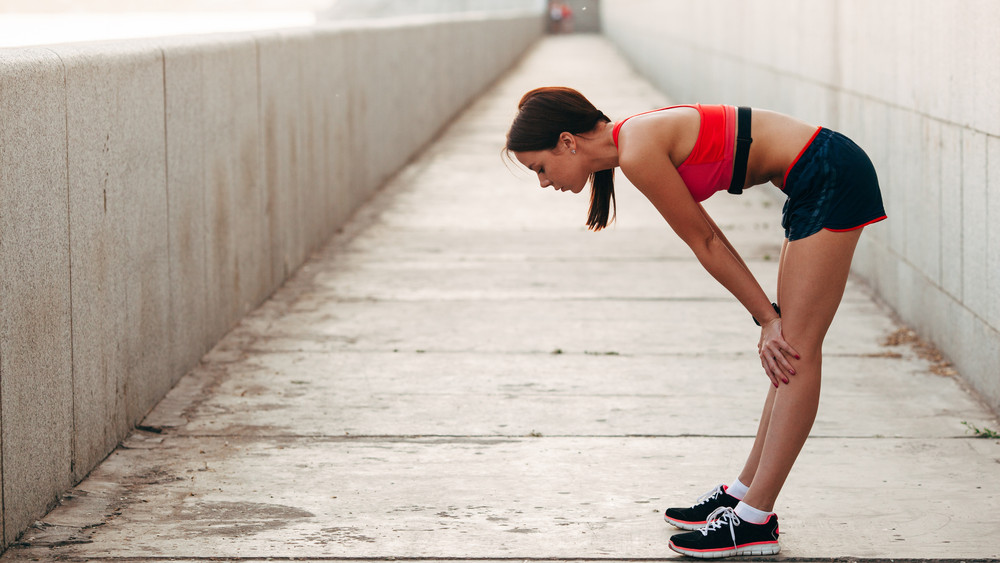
x=831 y=185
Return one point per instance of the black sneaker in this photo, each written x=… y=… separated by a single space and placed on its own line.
x=726 y=535
x=696 y=517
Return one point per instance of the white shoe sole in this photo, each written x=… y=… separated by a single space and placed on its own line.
x=760 y=549
x=684 y=525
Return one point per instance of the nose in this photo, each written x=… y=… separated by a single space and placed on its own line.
x=543 y=181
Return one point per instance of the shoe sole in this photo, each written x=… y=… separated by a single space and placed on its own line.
x=755 y=549
x=683 y=524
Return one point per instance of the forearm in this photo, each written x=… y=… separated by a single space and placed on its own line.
x=722 y=236
x=659 y=181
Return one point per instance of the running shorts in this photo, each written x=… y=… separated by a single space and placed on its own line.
x=831 y=185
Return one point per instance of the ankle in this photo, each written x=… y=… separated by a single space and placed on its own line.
x=737 y=489
x=752 y=515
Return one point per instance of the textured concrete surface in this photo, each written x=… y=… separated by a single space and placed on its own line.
x=466 y=373
x=35 y=334
x=184 y=78
x=118 y=217
x=220 y=256
x=143 y=182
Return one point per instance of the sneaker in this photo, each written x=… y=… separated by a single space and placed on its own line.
x=696 y=517
x=726 y=535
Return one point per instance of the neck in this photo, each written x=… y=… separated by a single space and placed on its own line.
x=602 y=150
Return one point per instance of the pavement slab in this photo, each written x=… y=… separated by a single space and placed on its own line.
x=465 y=373
x=507 y=497
x=504 y=394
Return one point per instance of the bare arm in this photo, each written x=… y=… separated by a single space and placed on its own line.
x=655 y=176
x=722 y=236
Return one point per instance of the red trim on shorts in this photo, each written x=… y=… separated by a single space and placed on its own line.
x=856 y=228
x=796 y=161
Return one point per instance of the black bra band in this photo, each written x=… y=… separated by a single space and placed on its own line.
x=743 y=140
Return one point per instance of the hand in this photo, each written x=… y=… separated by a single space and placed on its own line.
x=774 y=352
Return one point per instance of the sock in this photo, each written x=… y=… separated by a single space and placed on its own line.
x=737 y=489
x=750 y=514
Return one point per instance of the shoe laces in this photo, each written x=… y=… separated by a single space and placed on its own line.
x=721 y=517
x=710 y=495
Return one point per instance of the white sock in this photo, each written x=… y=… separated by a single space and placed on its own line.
x=750 y=514
x=737 y=489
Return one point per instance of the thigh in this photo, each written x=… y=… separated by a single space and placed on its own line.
x=811 y=281
x=781 y=262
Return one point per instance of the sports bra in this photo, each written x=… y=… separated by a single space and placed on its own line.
x=709 y=167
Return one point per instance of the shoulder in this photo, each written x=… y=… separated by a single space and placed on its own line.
x=640 y=153
x=669 y=134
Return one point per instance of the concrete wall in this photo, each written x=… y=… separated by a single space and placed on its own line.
x=154 y=192
x=360 y=9
x=915 y=82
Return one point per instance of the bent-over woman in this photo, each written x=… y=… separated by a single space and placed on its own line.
x=677 y=157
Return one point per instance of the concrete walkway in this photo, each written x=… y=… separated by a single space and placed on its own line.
x=467 y=373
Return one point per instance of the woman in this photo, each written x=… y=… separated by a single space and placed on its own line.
x=678 y=157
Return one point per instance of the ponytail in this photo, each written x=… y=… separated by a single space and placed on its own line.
x=602 y=199
x=545 y=113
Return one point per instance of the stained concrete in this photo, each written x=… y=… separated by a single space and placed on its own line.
x=184 y=85
x=218 y=241
x=117 y=216
x=35 y=310
x=134 y=226
x=465 y=373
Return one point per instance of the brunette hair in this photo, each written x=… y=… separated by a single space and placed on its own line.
x=545 y=113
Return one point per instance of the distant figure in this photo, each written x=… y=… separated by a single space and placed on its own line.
x=560 y=17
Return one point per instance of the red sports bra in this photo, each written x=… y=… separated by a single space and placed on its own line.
x=709 y=167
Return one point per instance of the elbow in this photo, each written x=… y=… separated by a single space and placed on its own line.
x=710 y=251
x=711 y=240
x=704 y=246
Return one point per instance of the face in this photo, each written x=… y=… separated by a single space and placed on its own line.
x=558 y=168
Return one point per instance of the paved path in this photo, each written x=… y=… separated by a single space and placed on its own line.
x=467 y=373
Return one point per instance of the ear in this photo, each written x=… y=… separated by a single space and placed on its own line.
x=567 y=141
